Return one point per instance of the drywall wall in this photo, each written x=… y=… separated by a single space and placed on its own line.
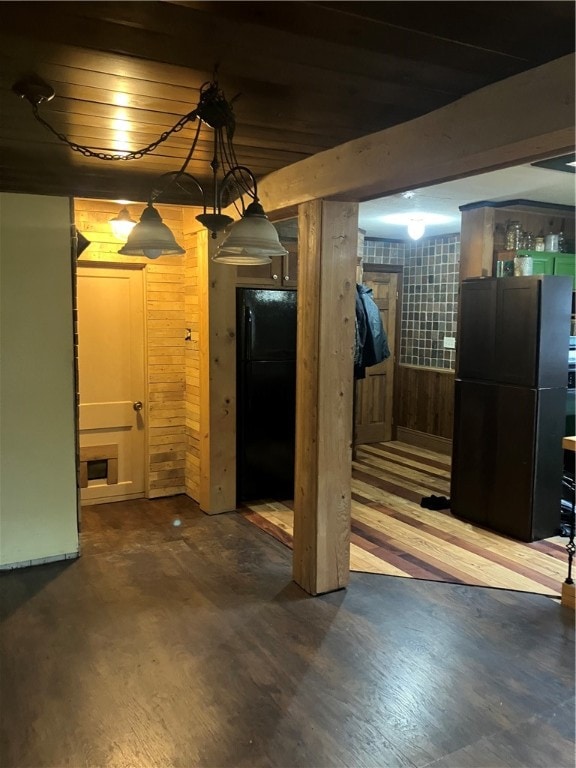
x=38 y=489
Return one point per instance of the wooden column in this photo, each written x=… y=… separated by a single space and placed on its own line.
x=217 y=380
x=328 y=240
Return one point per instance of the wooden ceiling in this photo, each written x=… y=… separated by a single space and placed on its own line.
x=311 y=75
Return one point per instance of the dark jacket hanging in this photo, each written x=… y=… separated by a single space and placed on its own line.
x=371 y=342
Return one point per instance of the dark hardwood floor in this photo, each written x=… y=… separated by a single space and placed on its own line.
x=191 y=646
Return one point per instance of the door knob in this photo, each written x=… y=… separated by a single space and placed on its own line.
x=137 y=405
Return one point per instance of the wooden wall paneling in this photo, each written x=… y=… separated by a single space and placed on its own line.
x=425 y=402
x=217 y=379
x=165 y=356
x=192 y=344
x=328 y=238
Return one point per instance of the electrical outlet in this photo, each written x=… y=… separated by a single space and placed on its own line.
x=449 y=342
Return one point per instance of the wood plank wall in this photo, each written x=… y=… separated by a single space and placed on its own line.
x=165 y=344
x=425 y=400
x=192 y=360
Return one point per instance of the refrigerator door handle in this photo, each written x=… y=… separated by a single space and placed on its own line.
x=248 y=320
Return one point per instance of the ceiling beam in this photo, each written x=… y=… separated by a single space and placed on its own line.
x=523 y=118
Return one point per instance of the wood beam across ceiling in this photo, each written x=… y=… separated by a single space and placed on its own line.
x=494 y=127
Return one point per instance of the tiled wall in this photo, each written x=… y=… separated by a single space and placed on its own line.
x=430 y=295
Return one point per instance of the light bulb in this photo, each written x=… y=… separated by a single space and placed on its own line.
x=122 y=224
x=416 y=228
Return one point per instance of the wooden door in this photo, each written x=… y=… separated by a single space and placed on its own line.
x=111 y=383
x=375 y=393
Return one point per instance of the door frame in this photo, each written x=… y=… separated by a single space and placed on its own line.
x=134 y=266
x=398 y=269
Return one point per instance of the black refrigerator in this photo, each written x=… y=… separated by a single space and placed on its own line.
x=509 y=413
x=266 y=396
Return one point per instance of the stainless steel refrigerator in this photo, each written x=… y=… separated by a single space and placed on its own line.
x=266 y=397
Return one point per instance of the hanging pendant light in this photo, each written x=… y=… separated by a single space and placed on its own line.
x=252 y=240
x=151 y=238
x=122 y=224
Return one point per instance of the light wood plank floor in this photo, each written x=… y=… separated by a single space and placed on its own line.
x=393 y=535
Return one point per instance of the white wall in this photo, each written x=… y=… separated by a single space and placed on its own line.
x=38 y=496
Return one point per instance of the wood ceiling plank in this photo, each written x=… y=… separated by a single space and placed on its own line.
x=170 y=150
x=286 y=116
x=21 y=54
x=50 y=154
x=307 y=33
x=306 y=86
x=506 y=29
x=60 y=110
x=374 y=28
x=159 y=31
x=87 y=184
x=99 y=127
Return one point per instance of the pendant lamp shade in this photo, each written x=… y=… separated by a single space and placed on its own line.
x=252 y=240
x=151 y=238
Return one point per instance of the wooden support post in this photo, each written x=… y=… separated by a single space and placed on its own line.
x=328 y=240
x=217 y=380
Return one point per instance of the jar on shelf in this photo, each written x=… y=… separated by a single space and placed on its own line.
x=527 y=241
x=539 y=243
x=513 y=235
x=551 y=242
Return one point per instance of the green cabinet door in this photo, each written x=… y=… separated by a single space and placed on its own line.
x=542 y=264
x=565 y=264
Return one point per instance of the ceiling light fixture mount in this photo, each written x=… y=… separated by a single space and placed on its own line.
x=252 y=240
x=34 y=89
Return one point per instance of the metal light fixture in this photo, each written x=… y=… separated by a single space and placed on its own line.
x=122 y=224
x=251 y=240
x=151 y=238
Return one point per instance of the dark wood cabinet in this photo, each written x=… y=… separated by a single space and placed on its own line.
x=507 y=458
x=510 y=404
x=515 y=330
x=282 y=272
x=477 y=324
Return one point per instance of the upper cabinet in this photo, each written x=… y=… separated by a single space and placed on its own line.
x=282 y=272
x=514 y=331
x=484 y=242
